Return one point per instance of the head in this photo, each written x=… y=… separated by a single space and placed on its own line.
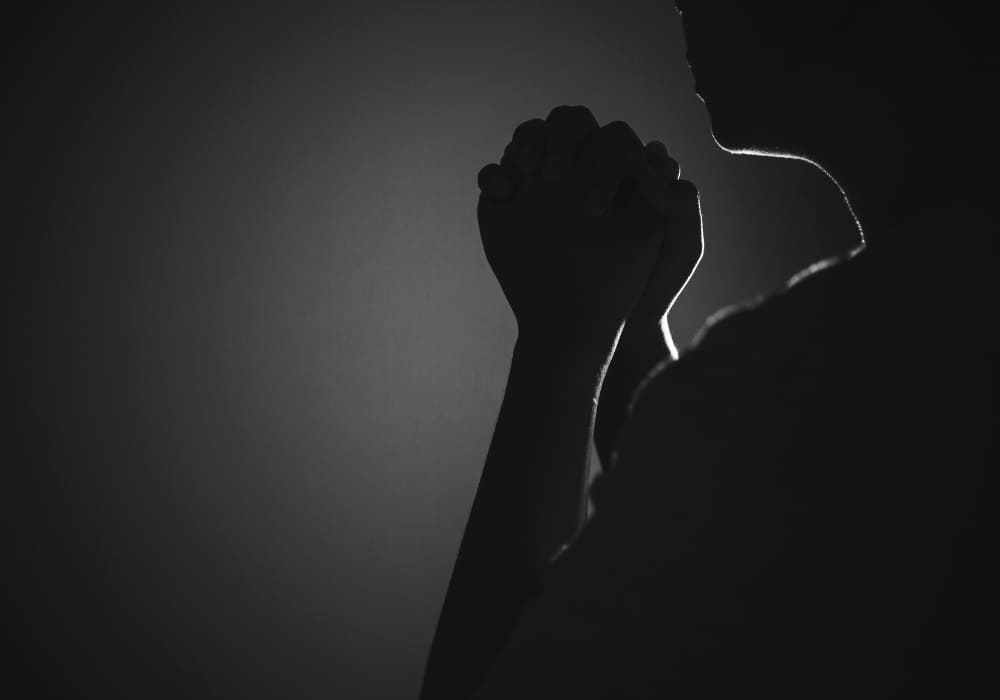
x=848 y=84
x=759 y=66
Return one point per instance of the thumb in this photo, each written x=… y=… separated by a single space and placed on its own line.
x=677 y=210
x=677 y=201
x=678 y=207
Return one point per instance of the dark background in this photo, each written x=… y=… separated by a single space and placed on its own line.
x=261 y=346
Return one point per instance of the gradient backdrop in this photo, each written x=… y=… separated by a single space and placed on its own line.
x=263 y=349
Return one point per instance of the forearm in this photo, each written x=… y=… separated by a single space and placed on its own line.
x=531 y=499
x=639 y=350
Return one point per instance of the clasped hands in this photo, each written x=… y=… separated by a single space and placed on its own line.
x=586 y=230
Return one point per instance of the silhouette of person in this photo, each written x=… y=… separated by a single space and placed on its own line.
x=797 y=505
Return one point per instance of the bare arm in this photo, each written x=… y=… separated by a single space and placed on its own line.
x=639 y=350
x=573 y=255
x=646 y=341
x=531 y=499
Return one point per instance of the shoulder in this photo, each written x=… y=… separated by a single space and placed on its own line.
x=749 y=369
x=753 y=340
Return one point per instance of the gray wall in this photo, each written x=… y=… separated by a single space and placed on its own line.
x=263 y=348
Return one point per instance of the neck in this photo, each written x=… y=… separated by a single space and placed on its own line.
x=891 y=192
x=894 y=158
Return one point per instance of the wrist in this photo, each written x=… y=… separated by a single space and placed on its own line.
x=572 y=342
x=639 y=350
x=644 y=342
x=563 y=359
x=641 y=347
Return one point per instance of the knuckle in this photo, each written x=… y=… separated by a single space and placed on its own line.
x=621 y=131
x=583 y=114
x=508 y=174
x=620 y=144
x=686 y=187
x=574 y=115
x=658 y=157
x=494 y=182
x=566 y=131
x=528 y=131
x=559 y=113
x=657 y=148
x=484 y=175
x=588 y=148
x=522 y=153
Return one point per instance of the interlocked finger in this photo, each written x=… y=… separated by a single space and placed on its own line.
x=523 y=155
x=616 y=164
x=565 y=129
x=495 y=183
x=660 y=162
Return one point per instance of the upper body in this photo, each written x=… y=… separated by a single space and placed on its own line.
x=797 y=504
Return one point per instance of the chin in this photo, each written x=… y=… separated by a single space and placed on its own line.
x=743 y=118
x=735 y=136
x=728 y=122
x=728 y=136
